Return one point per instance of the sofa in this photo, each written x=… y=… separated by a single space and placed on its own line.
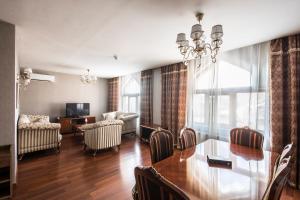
x=102 y=134
x=129 y=119
x=35 y=132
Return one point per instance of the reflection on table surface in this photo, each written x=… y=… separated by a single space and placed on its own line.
x=248 y=178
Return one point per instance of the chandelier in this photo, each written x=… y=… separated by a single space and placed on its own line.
x=87 y=78
x=200 y=48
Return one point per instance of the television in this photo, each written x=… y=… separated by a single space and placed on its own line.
x=77 y=109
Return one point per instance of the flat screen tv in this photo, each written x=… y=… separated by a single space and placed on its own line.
x=77 y=109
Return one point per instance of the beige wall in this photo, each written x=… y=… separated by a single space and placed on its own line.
x=8 y=89
x=48 y=98
x=157 y=96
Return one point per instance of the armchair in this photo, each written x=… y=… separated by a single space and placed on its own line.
x=129 y=119
x=35 y=133
x=102 y=135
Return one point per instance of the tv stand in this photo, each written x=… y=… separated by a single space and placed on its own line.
x=68 y=124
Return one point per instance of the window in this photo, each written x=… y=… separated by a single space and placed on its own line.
x=223 y=109
x=199 y=102
x=232 y=93
x=130 y=94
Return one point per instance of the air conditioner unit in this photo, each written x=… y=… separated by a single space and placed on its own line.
x=42 y=77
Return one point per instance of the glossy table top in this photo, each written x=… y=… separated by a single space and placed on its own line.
x=248 y=178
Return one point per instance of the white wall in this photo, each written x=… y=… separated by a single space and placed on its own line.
x=157 y=96
x=49 y=98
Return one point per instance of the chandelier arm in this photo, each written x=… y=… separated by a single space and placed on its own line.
x=188 y=52
x=208 y=46
x=213 y=51
x=214 y=54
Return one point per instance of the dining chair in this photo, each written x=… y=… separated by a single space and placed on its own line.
x=247 y=137
x=134 y=193
x=187 y=138
x=151 y=185
x=277 y=183
x=286 y=152
x=161 y=145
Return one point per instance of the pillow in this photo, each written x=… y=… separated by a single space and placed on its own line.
x=24 y=119
x=110 y=116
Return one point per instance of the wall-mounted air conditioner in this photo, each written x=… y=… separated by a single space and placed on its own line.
x=28 y=75
x=42 y=77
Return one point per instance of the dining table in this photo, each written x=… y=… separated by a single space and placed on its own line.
x=247 y=178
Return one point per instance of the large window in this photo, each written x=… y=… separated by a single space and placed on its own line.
x=130 y=93
x=232 y=93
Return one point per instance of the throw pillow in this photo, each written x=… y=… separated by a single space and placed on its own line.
x=110 y=116
x=24 y=119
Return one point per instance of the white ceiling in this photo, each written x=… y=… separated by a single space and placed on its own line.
x=72 y=35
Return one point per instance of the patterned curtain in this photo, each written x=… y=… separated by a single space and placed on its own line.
x=146 y=97
x=173 y=106
x=113 y=94
x=285 y=91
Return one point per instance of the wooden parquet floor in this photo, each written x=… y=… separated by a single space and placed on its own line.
x=73 y=174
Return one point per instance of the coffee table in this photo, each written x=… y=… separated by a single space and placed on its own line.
x=77 y=129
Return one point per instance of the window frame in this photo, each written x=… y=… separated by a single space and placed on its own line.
x=137 y=98
x=232 y=93
x=135 y=95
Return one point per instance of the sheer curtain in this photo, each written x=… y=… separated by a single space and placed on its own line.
x=230 y=93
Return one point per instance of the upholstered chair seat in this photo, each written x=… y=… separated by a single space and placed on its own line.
x=247 y=137
x=187 y=138
x=151 y=185
x=161 y=145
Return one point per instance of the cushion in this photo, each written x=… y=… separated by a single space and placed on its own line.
x=24 y=119
x=110 y=116
x=36 y=118
x=38 y=125
x=101 y=124
x=41 y=120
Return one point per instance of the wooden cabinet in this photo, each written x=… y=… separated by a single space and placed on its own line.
x=5 y=172
x=67 y=123
x=90 y=119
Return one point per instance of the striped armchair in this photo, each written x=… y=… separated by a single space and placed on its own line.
x=35 y=133
x=102 y=135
